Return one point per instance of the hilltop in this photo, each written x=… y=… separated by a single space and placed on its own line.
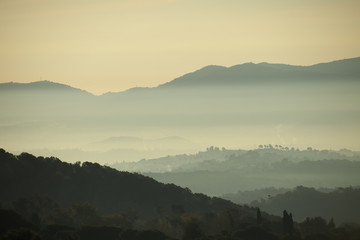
x=267 y=73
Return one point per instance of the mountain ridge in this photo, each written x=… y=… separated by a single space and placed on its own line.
x=345 y=67
x=241 y=73
x=214 y=97
x=44 y=85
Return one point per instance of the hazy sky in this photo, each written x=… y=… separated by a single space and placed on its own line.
x=108 y=45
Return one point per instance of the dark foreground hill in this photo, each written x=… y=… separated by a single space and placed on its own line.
x=47 y=199
x=46 y=191
x=109 y=190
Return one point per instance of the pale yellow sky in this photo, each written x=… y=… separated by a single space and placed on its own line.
x=108 y=45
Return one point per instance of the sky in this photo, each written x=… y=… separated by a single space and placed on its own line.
x=113 y=45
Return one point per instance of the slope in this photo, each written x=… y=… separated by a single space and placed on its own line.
x=107 y=189
x=341 y=204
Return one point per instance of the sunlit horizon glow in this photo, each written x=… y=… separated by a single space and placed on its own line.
x=103 y=46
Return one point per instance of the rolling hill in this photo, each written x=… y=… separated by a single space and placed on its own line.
x=109 y=190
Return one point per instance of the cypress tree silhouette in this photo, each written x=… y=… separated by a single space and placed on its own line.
x=288 y=224
x=285 y=221
x=258 y=216
x=291 y=226
x=331 y=224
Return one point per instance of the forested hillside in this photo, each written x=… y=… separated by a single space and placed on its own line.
x=107 y=189
x=341 y=204
x=47 y=191
x=45 y=198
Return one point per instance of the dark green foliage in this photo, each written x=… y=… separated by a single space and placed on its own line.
x=46 y=191
x=103 y=233
x=255 y=233
x=53 y=200
x=314 y=226
x=107 y=189
x=36 y=208
x=317 y=236
x=57 y=232
x=142 y=235
x=85 y=214
x=21 y=234
x=11 y=220
x=192 y=231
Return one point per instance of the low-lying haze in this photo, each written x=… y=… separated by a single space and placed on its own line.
x=238 y=107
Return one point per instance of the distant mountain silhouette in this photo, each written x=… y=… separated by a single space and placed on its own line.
x=137 y=139
x=122 y=139
x=233 y=99
x=141 y=144
x=220 y=75
x=43 y=96
x=40 y=86
x=346 y=67
x=266 y=72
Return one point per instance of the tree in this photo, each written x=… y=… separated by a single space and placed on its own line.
x=258 y=216
x=331 y=224
x=285 y=221
x=288 y=223
x=291 y=225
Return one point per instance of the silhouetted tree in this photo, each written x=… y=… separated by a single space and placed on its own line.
x=288 y=224
x=258 y=216
x=331 y=224
x=291 y=225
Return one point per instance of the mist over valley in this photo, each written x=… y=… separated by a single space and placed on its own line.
x=252 y=151
x=237 y=107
